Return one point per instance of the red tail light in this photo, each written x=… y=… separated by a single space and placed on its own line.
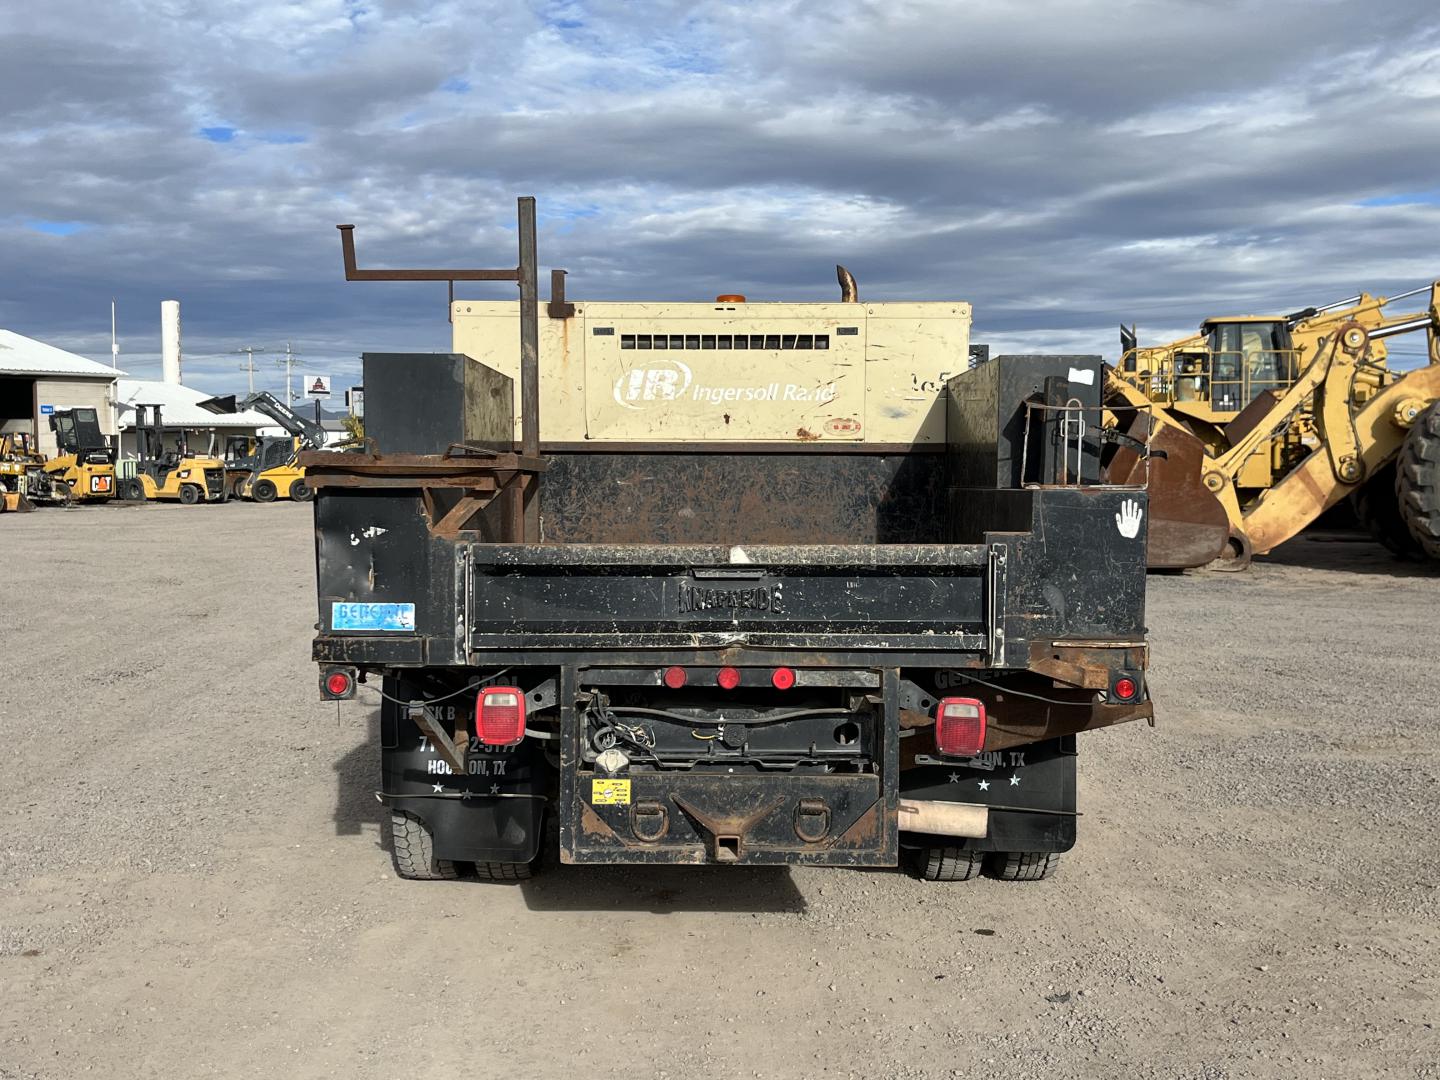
x=338 y=684
x=727 y=678
x=500 y=716
x=1125 y=688
x=783 y=678
x=960 y=726
x=675 y=677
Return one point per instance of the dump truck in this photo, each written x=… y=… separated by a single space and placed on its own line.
x=1261 y=423
x=727 y=582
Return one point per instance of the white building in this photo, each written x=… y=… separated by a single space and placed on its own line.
x=36 y=379
x=180 y=409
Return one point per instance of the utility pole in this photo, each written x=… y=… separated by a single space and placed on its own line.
x=289 y=365
x=250 y=351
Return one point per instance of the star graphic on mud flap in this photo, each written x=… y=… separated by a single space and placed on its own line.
x=984 y=785
x=954 y=778
x=439 y=787
x=494 y=789
x=1014 y=780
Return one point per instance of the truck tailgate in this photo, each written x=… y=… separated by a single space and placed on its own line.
x=572 y=596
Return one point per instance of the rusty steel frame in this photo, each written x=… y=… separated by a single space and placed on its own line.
x=525 y=494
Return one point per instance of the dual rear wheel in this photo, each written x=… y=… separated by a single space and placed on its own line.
x=412 y=847
x=944 y=863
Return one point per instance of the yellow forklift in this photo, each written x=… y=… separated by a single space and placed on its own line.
x=166 y=474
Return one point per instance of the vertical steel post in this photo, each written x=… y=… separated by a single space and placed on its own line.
x=529 y=358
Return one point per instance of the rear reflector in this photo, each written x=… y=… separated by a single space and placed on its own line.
x=675 y=677
x=727 y=678
x=960 y=726
x=1125 y=688
x=783 y=678
x=500 y=716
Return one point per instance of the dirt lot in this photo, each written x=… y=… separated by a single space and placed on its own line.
x=193 y=881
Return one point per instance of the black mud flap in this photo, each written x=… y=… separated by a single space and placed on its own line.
x=728 y=818
x=1030 y=792
x=493 y=814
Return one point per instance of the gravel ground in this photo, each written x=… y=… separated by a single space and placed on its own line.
x=194 y=881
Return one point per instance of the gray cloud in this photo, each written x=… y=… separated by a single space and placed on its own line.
x=1063 y=165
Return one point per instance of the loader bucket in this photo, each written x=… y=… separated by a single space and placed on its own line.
x=1188 y=526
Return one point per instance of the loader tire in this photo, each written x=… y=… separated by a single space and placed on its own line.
x=942 y=863
x=1377 y=505
x=1417 y=481
x=263 y=491
x=190 y=494
x=1024 y=865
x=413 y=850
x=301 y=492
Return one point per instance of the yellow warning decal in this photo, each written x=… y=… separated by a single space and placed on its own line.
x=610 y=792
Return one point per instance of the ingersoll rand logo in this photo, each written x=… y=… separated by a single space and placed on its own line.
x=668 y=380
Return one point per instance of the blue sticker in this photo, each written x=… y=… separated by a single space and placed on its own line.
x=47 y=410
x=390 y=617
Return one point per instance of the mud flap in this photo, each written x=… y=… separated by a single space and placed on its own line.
x=1029 y=793
x=493 y=814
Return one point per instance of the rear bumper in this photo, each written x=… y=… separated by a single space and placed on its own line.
x=717 y=818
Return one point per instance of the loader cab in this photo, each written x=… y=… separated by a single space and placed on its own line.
x=1246 y=358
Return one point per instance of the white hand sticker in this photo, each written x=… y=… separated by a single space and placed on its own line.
x=1128 y=519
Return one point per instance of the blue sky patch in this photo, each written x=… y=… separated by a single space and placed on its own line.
x=56 y=228
x=218 y=134
x=1430 y=198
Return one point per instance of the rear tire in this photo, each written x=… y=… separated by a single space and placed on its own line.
x=263 y=491
x=1377 y=505
x=301 y=492
x=413 y=850
x=948 y=863
x=132 y=490
x=1417 y=481
x=504 y=871
x=190 y=494
x=1024 y=865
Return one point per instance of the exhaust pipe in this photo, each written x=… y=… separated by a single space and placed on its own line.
x=849 y=291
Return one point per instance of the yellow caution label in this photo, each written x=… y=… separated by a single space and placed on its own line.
x=610 y=792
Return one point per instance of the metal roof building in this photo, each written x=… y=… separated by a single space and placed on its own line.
x=36 y=379
x=180 y=408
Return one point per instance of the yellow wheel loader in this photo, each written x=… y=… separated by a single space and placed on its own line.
x=16 y=462
x=165 y=474
x=1259 y=424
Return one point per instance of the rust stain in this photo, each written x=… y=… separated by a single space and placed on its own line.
x=806 y=434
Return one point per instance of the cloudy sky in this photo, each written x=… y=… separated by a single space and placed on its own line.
x=1062 y=165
